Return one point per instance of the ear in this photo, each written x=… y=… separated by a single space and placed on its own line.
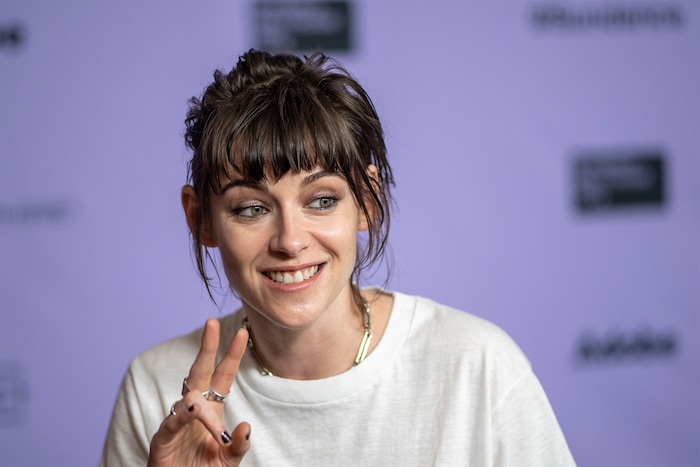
x=190 y=204
x=373 y=175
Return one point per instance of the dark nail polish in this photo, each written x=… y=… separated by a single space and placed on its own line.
x=225 y=437
x=247 y=437
x=190 y=408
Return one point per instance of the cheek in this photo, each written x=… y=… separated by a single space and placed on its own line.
x=238 y=250
x=339 y=237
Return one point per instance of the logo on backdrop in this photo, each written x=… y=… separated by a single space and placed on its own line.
x=303 y=25
x=607 y=17
x=14 y=395
x=621 y=346
x=619 y=179
x=12 y=36
x=40 y=212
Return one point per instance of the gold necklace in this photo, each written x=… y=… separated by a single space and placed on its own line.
x=361 y=352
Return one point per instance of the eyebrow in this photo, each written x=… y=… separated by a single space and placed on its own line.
x=244 y=183
x=318 y=175
x=308 y=180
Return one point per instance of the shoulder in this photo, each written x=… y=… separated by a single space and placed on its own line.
x=453 y=326
x=173 y=349
x=174 y=356
x=482 y=372
x=459 y=338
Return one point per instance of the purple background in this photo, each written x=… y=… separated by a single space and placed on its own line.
x=484 y=113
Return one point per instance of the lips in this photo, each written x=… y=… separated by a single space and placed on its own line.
x=292 y=277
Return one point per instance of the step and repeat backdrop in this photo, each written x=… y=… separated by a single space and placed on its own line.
x=547 y=157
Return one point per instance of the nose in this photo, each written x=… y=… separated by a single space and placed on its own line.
x=291 y=236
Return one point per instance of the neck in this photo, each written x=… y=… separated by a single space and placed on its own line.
x=312 y=353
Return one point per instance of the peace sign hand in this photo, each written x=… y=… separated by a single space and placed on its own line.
x=194 y=432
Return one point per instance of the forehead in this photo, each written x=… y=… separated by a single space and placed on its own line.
x=256 y=160
x=289 y=183
x=270 y=140
x=305 y=177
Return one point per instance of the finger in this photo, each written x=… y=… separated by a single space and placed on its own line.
x=200 y=373
x=173 y=423
x=209 y=415
x=240 y=442
x=226 y=370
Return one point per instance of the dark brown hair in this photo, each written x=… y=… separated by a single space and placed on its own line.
x=280 y=113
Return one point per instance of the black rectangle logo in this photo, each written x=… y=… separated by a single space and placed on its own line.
x=303 y=25
x=619 y=179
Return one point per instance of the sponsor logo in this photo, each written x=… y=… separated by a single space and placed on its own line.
x=620 y=346
x=14 y=394
x=561 y=17
x=12 y=36
x=303 y=26
x=35 y=213
x=618 y=179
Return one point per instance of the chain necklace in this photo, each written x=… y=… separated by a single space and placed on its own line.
x=361 y=352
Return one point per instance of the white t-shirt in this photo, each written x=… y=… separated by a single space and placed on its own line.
x=442 y=387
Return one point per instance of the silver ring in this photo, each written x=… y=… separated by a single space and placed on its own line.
x=186 y=388
x=172 y=409
x=212 y=395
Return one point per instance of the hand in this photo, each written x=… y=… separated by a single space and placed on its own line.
x=195 y=435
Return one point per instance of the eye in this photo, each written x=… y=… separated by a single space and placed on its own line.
x=250 y=211
x=324 y=202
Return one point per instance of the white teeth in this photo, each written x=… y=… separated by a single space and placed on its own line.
x=292 y=278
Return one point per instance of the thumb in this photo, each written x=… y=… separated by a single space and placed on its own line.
x=240 y=443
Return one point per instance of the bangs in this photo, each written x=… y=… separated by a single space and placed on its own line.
x=288 y=127
x=272 y=114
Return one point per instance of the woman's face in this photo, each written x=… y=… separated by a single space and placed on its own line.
x=288 y=246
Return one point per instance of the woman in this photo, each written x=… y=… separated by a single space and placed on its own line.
x=289 y=167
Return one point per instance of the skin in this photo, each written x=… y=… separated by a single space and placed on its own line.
x=300 y=221
x=193 y=436
x=303 y=330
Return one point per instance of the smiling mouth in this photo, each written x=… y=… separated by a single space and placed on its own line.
x=289 y=277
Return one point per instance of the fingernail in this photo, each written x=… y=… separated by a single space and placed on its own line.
x=225 y=437
x=247 y=437
x=190 y=408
